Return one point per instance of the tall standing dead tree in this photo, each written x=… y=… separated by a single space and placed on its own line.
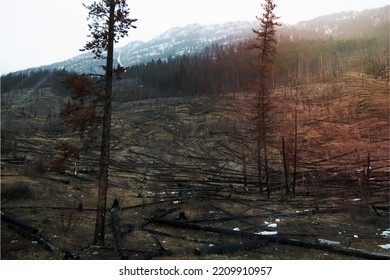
x=266 y=44
x=109 y=21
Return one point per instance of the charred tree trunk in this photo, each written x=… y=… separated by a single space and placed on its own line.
x=105 y=146
x=295 y=141
x=265 y=139
x=285 y=166
x=259 y=159
x=243 y=156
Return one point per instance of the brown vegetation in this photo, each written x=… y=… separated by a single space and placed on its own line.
x=188 y=155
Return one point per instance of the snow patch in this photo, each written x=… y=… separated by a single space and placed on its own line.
x=386 y=233
x=267 y=233
x=119 y=57
x=328 y=242
x=355 y=199
x=385 y=246
x=273 y=225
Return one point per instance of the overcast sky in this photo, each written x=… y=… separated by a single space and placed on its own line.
x=40 y=32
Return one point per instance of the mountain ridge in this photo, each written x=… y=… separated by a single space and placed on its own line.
x=190 y=39
x=193 y=38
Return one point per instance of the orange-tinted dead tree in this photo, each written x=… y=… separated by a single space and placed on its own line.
x=266 y=44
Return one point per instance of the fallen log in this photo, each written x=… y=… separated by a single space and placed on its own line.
x=65 y=181
x=17 y=223
x=352 y=252
x=28 y=231
x=17 y=161
x=231 y=248
x=148 y=204
x=232 y=215
x=381 y=210
x=268 y=215
x=176 y=236
x=160 y=215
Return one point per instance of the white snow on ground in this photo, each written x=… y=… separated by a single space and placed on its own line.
x=328 y=242
x=385 y=246
x=273 y=225
x=355 y=199
x=267 y=233
x=386 y=233
x=270 y=225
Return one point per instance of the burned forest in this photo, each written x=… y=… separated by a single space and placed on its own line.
x=201 y=167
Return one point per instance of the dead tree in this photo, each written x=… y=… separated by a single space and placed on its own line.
x=266 y=44
x=109 y=22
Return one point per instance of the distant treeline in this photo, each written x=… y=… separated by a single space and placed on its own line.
x=234 y=68
x=231 y=68
x=35 y=79
x=216 y=69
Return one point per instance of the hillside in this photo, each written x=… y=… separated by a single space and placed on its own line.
x=187 y=155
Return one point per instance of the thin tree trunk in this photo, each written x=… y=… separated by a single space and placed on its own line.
x=295 y=140
x=259 y=151
x=285 y=166
x=265 y=147
x=243 y=155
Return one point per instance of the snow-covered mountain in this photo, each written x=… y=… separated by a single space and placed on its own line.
x=194 y=38
x=177 y=41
